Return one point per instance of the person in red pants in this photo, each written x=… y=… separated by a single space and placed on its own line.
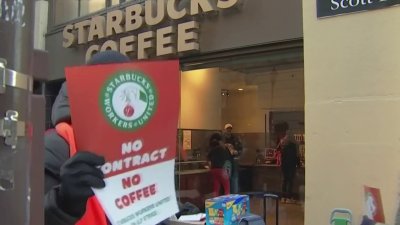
x=219 y=159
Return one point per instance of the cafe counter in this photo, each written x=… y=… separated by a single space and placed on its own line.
x=265 y=177
x=194 y=181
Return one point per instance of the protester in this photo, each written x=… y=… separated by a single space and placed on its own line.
x=69 y=179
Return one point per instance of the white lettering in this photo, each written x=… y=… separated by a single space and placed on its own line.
x=173 y=13
x=343 y=5
x=162 y=152
x=127 y=162
x=336 y=4
x=96 y=28
x=117 y=165
x=160 y=9
x=69 y=37
x=164 y=41
x=134 y=19
x=348 y=3
x=109 y=45
x=106 y=168
x=128 y=147
x=224 y=4
x=188 y=37
x=134 y=161
x=195 y=6
x=145 y=158
x=126 y=45
x=114 y=22
x=82 y=33
x=357 y=2
x=154 y=156
x=137 y=145
x=363 y=2
x=145 y=42
x=91 y=51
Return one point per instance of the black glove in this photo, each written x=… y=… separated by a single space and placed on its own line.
x=78 y=175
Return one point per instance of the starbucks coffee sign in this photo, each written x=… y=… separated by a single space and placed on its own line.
x=127 y=24
x=337 y=7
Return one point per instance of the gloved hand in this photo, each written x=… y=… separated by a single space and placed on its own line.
x=78 y=175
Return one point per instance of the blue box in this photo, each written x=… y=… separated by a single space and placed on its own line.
x=227 y=209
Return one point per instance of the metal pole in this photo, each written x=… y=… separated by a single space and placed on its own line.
x=277 y=211
x=16 y=41
x=16 y=34
x=264 y=209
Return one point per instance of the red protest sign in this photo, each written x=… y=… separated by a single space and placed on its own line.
x=128 y=113
x=373 y=204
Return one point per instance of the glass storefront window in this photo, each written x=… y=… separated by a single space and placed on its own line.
x=254 y=94
x=65 y=10
x=115 y=2
x=91 y=6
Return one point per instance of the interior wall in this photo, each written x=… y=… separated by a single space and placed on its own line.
x=91 y=6
x=200 y=100
x=283 y=90
x=352 y=110
x=203 y=106
x=248 y=120
x=242 y=111
x=65 y=11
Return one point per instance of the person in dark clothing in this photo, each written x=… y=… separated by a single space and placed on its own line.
x=289 y=160
x=368 y=221
x=235 y=148
x=219 y=158
x=68 y=180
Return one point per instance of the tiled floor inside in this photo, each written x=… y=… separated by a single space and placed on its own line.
x=289 y=214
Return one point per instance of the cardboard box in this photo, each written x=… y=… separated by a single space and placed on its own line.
x=228 y=209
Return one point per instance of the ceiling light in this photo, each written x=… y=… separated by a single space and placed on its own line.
x=240 y=89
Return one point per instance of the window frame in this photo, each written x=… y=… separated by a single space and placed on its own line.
x=54 y=27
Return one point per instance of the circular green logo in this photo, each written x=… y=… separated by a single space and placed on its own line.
x=128 y=100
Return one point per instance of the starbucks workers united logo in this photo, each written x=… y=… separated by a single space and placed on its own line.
x=128 y=100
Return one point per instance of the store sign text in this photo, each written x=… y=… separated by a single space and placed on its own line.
x=336 y=7
x=168 y=40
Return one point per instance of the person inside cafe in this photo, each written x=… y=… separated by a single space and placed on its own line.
x=289 y=160
x=235 y=147
x=219 y=158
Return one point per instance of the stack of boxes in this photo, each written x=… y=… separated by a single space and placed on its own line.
x=227 y=209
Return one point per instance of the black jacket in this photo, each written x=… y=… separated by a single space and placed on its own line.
x=233 y=140
x=290 y=157
x=57 y=149
x=218 y=156
x=56 y=153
